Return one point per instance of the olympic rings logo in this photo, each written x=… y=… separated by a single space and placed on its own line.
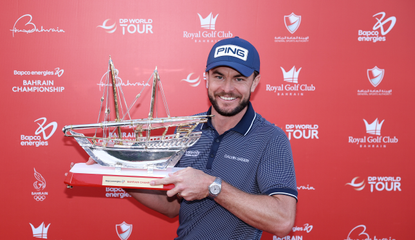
x=39 y=197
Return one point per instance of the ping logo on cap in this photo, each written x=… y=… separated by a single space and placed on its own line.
x=231 y=50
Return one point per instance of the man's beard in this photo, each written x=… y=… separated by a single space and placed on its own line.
x=232 y=112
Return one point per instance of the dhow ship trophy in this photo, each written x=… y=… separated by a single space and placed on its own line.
x=131 y=152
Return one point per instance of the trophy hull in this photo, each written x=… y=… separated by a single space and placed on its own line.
x=157 y=154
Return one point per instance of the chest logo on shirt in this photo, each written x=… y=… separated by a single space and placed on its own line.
x=192 y=153
x=237 y=158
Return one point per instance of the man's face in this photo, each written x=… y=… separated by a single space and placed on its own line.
x=229 y=91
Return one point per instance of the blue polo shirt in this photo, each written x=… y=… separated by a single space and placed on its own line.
x=254 y=156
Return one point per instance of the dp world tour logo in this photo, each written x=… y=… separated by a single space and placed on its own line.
x=108 y=28
x=208 y=22
x=193 y=82
x=375 y=75
x=357 y=186
x=129 y=25
x=292 y=22
x=124 y=230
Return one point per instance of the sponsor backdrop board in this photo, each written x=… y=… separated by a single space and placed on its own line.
x=336 y=77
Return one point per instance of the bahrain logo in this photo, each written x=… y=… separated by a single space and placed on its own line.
x=373 y=128
x=124 y=230
x=24 y=24
x=41 y=231
x=108 y=29
x=208 y=22
x=193 y=82
x=292 y=22
x=357 y=186
x=39 y=185
x=291 y=76
x=360 y=233
x=119 y=83
x=375 y=75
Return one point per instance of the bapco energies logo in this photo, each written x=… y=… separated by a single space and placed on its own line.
x=375 y=77
x=116 y=193
x=360 y=233
x=129 y=25
x=39 y=185
x=385 y=25
x=41 y=231
x=192 y=82
x=39 y=86
x=292 y=23
x=306 y=228
x=210 y=35
x=377 y=184
x=302 y=131
x=375 y=138
x=46 y=130
x=292 y=87
x=124 y=230
x=24 y=24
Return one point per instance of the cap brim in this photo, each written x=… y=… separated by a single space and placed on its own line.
x=244 y=70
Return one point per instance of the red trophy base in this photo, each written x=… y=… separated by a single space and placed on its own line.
x=99 y=176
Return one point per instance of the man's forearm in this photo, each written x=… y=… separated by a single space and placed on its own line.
x=273 y=214
x=156 y=200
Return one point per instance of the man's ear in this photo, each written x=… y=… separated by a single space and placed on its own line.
x=255 y=83
x=206 y=77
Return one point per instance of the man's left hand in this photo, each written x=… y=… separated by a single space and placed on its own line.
x=190 y=184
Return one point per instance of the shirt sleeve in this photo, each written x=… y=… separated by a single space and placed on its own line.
x=276 y=173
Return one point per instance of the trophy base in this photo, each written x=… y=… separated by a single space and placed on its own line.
x=99 y=176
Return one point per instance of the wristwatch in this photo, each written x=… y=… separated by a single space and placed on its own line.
x=215 y=188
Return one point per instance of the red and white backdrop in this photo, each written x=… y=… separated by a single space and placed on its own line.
x=336 y=77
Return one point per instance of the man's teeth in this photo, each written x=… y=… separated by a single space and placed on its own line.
x=227 y=98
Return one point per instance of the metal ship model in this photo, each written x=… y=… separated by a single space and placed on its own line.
x=142 y=149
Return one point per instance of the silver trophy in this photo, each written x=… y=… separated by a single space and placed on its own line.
x=127 y=143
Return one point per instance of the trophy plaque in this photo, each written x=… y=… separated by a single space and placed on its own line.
x=131 y=152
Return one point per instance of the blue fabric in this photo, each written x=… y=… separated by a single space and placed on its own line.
x=255 y=157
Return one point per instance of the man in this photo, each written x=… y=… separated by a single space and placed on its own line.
x=239 y=178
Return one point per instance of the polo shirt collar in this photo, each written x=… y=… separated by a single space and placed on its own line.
x=243 y=126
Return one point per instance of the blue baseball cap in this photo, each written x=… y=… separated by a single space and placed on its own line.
x=236 y=53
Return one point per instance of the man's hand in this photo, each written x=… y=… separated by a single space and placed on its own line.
x=189 y=183
x=90 y=161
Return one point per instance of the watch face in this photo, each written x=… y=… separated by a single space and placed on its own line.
x=215 y=189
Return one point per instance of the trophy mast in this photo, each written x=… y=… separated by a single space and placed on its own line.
x=114 y=89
